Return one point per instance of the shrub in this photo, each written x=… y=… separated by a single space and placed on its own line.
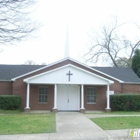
x=9 y=102
x=125 y=102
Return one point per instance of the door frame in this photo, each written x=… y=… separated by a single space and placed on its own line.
x=78 y=97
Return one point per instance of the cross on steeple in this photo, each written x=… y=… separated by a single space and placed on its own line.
x=69 y=74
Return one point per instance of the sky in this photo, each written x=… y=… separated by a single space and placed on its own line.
x=82 y=17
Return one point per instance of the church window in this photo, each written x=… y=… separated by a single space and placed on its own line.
x=91 y=96
x=43 y=94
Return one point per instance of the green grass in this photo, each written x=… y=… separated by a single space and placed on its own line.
x=10 y=111
x=114 y=123
x=27 y=123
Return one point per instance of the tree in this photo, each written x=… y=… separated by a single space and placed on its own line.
x=15 y=23
x=136 y=62
x=43 y=63
x=30 y=62
x=123 y=62
x=110 y=46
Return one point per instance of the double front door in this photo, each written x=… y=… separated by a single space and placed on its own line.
x=68 y=97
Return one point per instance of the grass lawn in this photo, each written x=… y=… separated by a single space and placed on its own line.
x=10 y=111
x=112 y=123
x=21 y=123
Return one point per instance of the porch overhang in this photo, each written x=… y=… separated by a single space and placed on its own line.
x=61 y=76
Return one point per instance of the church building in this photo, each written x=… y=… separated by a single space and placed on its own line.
x=66 y=85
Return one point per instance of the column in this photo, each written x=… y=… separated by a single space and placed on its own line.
x=55 y=99
x=82 y=97
x=108 y=98
x=28 y=96
x=55 y=96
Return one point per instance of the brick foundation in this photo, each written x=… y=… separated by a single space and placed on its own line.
x=54 y=110
x=27 y=110
x=82 y=110
x=107 y=110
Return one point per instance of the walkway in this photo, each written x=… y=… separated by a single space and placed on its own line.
x=108 y=115
x=79 y=125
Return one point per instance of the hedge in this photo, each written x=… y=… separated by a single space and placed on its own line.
x=125 y=102
x=9 y=102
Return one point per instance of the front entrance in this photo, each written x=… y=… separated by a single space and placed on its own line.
x=68 y=98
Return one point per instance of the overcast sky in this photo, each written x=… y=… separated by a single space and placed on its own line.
x=82 y=17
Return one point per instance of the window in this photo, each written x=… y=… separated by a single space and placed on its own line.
x=91 y=97
x=43 y=94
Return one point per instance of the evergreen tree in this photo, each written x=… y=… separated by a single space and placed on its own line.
x=136 y=62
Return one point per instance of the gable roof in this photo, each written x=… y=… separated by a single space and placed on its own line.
x=7 y=72
x=13 y=72
x=84 y=76
x=124 y=74
x=64 y=60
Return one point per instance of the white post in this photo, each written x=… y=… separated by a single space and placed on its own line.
x=28 y=96
x=82 y=97
x=108 y=98
x=55 y=96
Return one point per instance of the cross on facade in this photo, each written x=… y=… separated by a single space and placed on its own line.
x=69 y=74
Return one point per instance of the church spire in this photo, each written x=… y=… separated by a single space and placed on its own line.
x=66 y=54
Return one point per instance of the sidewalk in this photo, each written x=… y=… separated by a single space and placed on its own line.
x=74 y=126
x=109 y=115
x=64 y=136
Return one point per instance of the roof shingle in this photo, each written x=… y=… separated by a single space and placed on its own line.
x=7 y=72
x=124 y=74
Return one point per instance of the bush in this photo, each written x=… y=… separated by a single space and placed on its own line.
x=125 y=102
x=9 y=102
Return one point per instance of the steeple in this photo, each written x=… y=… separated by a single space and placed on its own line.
x=66 y=54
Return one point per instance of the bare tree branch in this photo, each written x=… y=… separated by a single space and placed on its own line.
x=15 y=22
x=109 y=45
